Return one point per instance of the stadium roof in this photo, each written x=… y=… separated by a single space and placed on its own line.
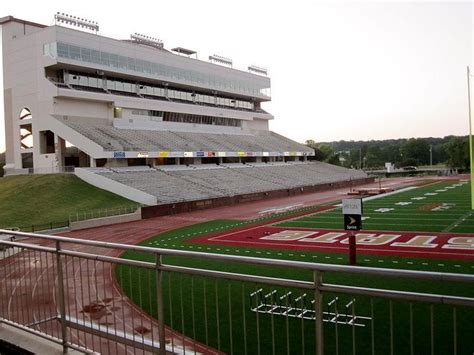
x=14 y=19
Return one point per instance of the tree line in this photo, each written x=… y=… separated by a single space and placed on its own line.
x=452 y=151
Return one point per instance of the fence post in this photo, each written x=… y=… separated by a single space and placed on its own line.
x=160 y=304
x=318 y=309
x=62 y=305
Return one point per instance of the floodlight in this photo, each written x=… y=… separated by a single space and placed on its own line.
x=147 y=40
x=76 y=21
x=220 y=60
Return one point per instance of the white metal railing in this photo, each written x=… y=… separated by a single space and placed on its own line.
x=102 y=213
x=51 y=170
x=62 y=289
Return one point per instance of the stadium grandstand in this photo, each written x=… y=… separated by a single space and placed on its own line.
x=153 y=125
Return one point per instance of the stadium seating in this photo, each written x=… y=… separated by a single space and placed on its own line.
x=115 y=139
x=177 y=183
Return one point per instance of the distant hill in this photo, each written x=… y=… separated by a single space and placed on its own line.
x=28 y=200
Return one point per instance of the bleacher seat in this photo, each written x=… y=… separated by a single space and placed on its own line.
x=176 y=183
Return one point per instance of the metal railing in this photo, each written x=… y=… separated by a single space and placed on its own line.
x=82 y=295
x=102 y=213
x=30 y=171
x=42 y=227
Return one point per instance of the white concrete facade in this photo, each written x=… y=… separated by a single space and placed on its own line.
x=44 y=70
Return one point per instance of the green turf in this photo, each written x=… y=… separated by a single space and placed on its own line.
x=43 y=199
x=416 y=216
x=199 y=307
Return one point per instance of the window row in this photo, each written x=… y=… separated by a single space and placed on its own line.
x=165 y=92
x=199 y=119
x=64 y=50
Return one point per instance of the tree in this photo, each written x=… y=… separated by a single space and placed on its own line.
x=457 y=150
x=416 y=150
x=322 y=151
x=333 y=159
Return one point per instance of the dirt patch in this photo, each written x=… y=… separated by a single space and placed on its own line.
x=428 y=207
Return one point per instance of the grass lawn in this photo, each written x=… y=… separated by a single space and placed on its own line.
x=200 y=307
x=42 y=199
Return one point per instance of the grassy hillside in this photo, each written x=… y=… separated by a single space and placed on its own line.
x=40 y=199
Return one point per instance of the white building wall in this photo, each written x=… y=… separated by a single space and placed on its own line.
x=82 y=108
x=116 y=187
x=25 y=87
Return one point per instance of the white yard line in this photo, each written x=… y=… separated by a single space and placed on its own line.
x=458 y=222
x=385 y=194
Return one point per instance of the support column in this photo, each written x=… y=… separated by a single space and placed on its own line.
x=60 y=149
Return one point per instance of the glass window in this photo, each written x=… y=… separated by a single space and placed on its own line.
x=147 y=67
x=110 y=84
x=83 y=80
x=104 y=59
x=130 y=63
x=139 y=65
x=95 y=56
x=93 y=82
x=250 y=86
x=127 y=87
x=63 y=50
x=85 y=54
x=122 y=62
x=75 y=52
x=114 y=61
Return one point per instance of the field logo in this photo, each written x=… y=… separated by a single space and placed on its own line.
x=289 y=235
x=410 y=240
x=444 y=206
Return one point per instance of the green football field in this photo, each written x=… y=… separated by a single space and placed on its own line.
x=218 y=312
x=438 y=207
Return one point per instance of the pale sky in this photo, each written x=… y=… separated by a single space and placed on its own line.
x=339 y=70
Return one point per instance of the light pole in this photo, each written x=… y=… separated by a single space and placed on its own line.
x=470 y=135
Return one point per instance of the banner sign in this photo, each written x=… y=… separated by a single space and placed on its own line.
x=119 y=154
x=352 y=210
x=352 y=206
